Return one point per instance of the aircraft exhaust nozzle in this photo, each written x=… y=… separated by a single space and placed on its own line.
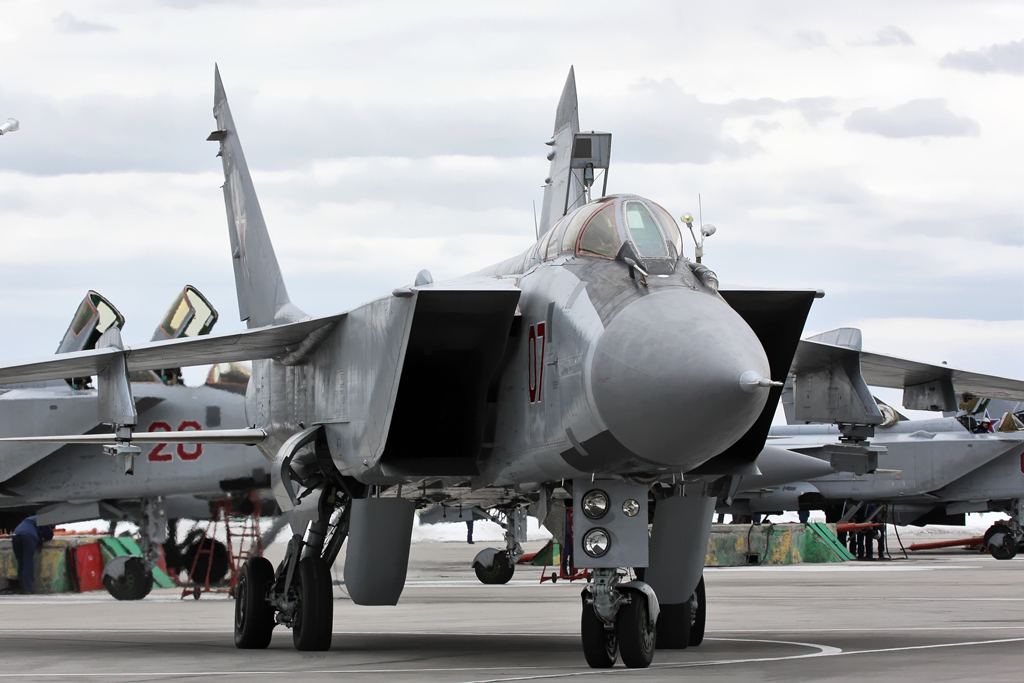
x=678 y=376
x=9 y=126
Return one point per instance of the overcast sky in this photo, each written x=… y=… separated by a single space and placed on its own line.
x=871 y=150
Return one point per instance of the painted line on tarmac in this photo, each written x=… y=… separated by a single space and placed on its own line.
x=871 y=597
x=753 y=660
x=823 y=651
x=517 y=634
x=837 y=568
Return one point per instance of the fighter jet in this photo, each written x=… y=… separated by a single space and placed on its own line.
x=76 y=482
x=599 y=372
x=929 y=471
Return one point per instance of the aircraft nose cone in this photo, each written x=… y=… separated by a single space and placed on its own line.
x=672 y=377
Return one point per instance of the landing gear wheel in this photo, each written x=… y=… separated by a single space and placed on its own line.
x=313 y=622
x=635 y=632
x=500 y=571
x=1004 y=548
x=600 y=645
x=134 y=584
x=700 y=616
x=254 y=617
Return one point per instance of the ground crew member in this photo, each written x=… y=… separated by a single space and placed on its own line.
x=28 y=537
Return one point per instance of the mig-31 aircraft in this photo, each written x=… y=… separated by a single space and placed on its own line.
x=600 y=373
x=929 y=471
x=63 y=483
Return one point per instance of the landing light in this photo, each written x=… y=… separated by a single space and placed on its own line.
x=596 y=542
x=630 y=508
x=595 y=504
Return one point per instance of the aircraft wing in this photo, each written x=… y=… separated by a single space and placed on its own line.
x=248 y=437
x=891 y=372
x=261 y=342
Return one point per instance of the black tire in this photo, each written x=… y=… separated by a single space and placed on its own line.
x=500 y=571
x=134 y=584
x=1006 y=550
x=700 y=616
x=674 y=626
x=254 y=617
x=313 y=622
x=217 y=564
x=635 y=633
x=600 y=645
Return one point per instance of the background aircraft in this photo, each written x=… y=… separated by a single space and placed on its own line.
x=930 y=471
x=62 y=483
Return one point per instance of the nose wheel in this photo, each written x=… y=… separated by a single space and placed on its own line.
x=635 y=632
x=1000 y=541
x=600 y=643
x=500 y=571
x=616 y=620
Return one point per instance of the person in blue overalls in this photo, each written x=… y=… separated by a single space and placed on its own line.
x=28 y=537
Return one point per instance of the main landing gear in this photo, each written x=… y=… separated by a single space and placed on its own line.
x=299 y=594
x=619 y=618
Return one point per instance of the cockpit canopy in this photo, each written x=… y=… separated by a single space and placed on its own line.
x=614 y=226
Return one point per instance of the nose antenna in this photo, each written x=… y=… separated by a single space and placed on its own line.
x=705 y=230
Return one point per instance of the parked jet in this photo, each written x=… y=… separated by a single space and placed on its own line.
x=77 y=482
x=600 y=364
x=929 y=471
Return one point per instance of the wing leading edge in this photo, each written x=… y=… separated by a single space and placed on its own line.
x=289 y=343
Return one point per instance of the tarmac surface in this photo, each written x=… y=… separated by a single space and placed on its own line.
x=945 y=616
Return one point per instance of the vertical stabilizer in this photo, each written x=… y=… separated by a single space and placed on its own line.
x=567 y=124
x=262 y=297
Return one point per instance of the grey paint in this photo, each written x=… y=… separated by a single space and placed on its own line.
x=628 y=547
x=880 y=370
x=567 y=124
x=262 y=297
x=927 y=463
x=81 y=473
x=780 y=466
x=378 y=552
x=679 y=541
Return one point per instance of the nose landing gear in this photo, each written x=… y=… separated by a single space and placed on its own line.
x=618 y=618
x=1003 y=539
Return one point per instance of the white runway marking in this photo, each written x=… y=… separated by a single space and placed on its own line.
x=517 y=634
x=753 y=660
x=835 y=568
x=823 y=651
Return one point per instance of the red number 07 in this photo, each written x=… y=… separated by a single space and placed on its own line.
x=157 y=454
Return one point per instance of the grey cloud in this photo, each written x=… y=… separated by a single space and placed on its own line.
x=917 y=118
x=811 y=39
x=999 y=58
x=67 y=23
x=816 y=109
x=193 y=4
x=664 y=124
x=887 y=37
x=765 y=126
x=102 y=133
